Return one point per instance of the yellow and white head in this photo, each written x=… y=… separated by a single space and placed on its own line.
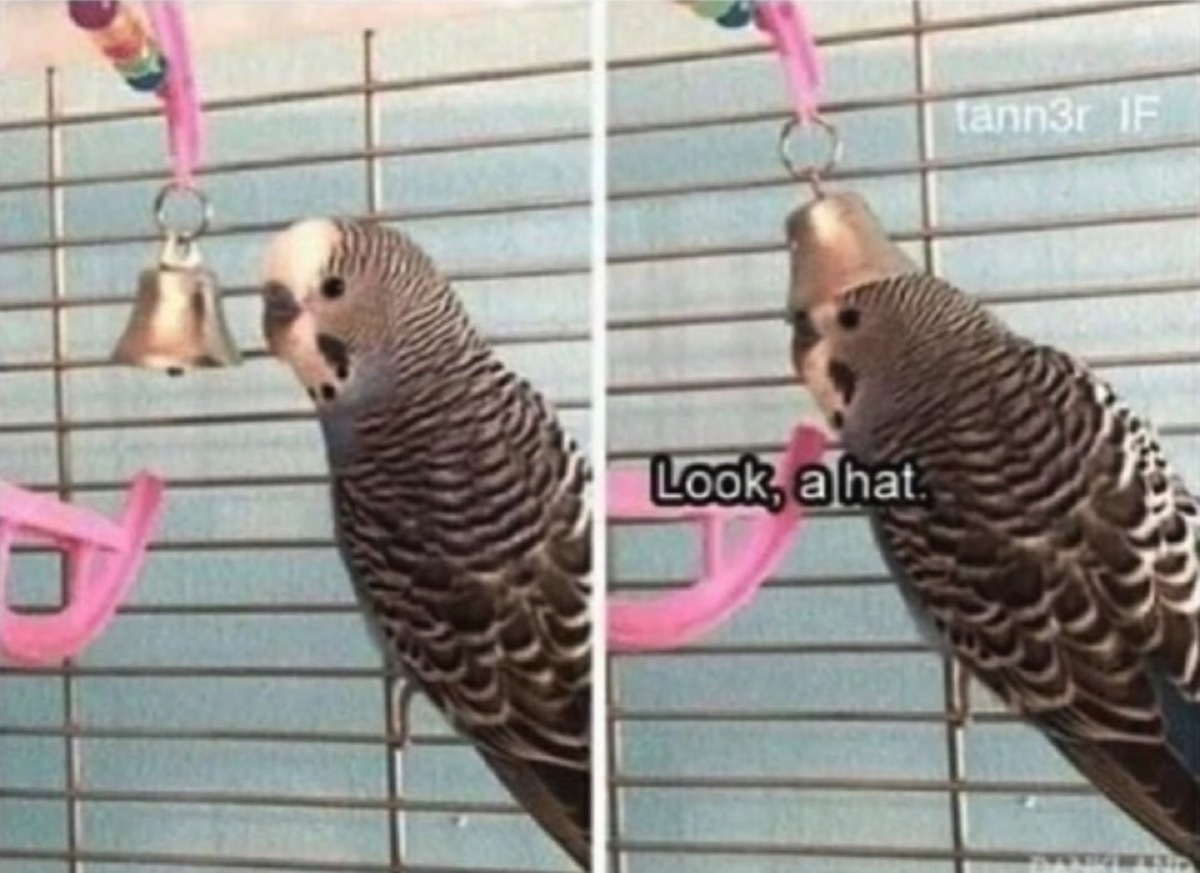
x=339 y=294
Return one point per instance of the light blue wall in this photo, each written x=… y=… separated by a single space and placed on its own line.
x=696 y=230
x=523 y=270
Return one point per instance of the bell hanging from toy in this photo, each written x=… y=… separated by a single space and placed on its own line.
x=836 y=242
x=178 y=322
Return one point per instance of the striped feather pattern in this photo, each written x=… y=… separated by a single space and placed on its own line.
x=1059 y=557
x=464 y=516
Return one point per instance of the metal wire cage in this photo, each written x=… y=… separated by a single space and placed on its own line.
x=999 y=142
x=235 y=716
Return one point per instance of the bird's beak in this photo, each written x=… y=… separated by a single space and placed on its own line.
x=804 y=339
x=281 y=309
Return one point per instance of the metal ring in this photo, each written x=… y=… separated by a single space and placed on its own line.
x=810 y=173
x=160 y=205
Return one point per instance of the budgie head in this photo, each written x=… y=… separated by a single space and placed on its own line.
x=345 y=301
x=872 y=353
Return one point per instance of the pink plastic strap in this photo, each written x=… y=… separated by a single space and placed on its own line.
x=184 y=129
x=728 y=583
x=787 y=25
x=104 y=560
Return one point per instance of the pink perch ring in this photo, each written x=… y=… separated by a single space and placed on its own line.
x=105 y=558
x=728 y=583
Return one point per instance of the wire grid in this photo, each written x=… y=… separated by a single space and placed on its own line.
x=815 y=732
x=235 y=717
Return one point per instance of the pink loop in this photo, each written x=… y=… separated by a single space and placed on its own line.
x=104 y=558
x=185 y=132
x=787 y=25
x=728 y=582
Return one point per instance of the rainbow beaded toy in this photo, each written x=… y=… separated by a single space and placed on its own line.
x=124 y=39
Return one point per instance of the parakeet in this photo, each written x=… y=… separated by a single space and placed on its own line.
x=1055 y=552
x=461 y=506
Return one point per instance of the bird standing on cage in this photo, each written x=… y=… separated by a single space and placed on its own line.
x=461 y=505
x=1055 y=553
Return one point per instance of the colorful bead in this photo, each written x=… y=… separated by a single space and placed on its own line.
x=149 y=83
x=124 y=54
x=710 y=9
x=739 y=15
x=125 y=40
x=125 y=29
x=727 y=13
x=92 y=14
x=140 y=66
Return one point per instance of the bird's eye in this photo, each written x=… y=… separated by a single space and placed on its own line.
x=332 y=288
x=795 y=317
x=803 y=329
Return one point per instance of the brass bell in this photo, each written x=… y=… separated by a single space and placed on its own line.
x=837 y=243
x=177 y=322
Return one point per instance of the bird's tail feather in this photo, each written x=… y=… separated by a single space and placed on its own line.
x=559 y=799
x=1151 y=783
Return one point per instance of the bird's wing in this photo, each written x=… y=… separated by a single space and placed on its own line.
x=1059 y=562
x=477 y=573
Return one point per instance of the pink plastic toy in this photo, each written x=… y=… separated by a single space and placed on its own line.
x=153 y=59
x=105 y=558
x=728 y=582
x=185 y=131
x=787 y=25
